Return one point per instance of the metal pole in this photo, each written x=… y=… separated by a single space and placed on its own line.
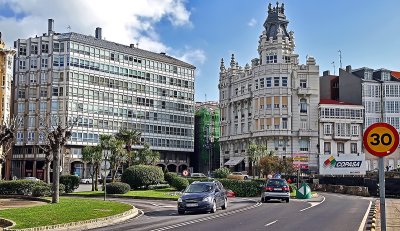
x=104 y=176
x=382 y=192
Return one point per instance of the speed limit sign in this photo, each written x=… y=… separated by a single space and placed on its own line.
x=381 y=139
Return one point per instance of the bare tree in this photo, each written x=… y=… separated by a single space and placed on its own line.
x=57 y=136
x=48 y=158
x=6 y=141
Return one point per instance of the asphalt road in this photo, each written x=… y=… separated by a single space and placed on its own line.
x=160 y=213
x=336 y=212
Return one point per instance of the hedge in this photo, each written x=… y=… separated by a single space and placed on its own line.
x=222 y=172
x=117 y=188
x=71 y=182
x=27 y=187
x=142 y=176
x=242 y=188
x=179 y=183
x=168 y=176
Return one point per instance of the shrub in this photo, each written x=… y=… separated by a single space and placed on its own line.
x=179 y=183
x=242 y=188
x=18 y=187
x=117 y=188
x=222 y=172
x=168 y=176
x=142 y=176
x=71 y=182
x=41 y=190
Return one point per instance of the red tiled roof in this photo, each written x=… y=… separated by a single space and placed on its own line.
x=331 y=101
x=395 y=74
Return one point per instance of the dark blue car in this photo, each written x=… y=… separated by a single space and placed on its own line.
x=203 y=197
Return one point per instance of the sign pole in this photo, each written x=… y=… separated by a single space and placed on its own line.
x=382 y=192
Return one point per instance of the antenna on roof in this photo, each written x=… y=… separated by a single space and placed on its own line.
x=334 y=68
x=137 y=44
x=69 y=28
x=205 y=97
x=340 y=58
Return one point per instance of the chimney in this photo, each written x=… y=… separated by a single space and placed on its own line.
x=50 y=28
x=163 y=53
x=348 y=68
x=132 y=45
x=98 y=33
x=326 y=73
x=0 y=35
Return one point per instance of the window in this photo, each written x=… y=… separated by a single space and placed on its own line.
x=33 y=63
x=355 y=130
x=284 y=123
x=32 y=106
x=31 y=121
x=21 y=107
x=327 y=129
x=256 y=83
x=284 y=81
x=22 y=49
x=45 y=48
x=21 y=93
x=31 y=136
x=43 y=106
x=272 y=58
x=353 y=148
x=262 y=83
x=44 y=62
x=303 y=106
x=34 y=49
x=276 y=81
x=22 y=64
x=327 y=147
x=269 y=81
x=20 y=136
x=304 y=144
x=340 y=148
x=303 y=83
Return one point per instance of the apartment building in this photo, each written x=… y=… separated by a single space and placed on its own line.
x=106 y=86
x=273 y=101
x=6 y=74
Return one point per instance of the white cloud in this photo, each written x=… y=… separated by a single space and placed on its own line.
x=252 y=22
x=122 y=21
x=193 y=56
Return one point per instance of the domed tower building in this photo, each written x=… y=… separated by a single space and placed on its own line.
x=272 y=102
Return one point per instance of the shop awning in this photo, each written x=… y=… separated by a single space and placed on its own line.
x=234 y=161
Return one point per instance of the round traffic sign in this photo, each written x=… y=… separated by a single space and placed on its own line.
x=381 y=139
x=185 y=173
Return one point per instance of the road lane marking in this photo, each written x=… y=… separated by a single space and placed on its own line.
x=313 y=204
x=206 y=218
x=271 y=223
x=361 y=228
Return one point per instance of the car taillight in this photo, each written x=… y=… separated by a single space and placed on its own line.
x=268 y=188
x=285 y=188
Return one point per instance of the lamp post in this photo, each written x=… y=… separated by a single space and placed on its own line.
x=209 y=138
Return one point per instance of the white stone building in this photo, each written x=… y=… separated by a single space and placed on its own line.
x=341 y=128
x=273 y=101
x=108 y=86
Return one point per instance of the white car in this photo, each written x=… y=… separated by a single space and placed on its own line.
x=87 y=180
x=197 y=175
x=31 y=178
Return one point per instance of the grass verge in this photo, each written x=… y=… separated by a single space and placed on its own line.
x=68 y=210
x=165 y=193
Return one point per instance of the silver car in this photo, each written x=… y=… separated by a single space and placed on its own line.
x=275 y=189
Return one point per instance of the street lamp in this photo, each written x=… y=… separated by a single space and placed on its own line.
x=209 y=138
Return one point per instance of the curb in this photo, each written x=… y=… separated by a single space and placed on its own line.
x=371 y=221
x=126 y=197
x=82 y=225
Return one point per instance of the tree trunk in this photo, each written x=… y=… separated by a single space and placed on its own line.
x=47 y=167
x=93 y=175
x=96 y=187
x=1 y=169
x=56 y=175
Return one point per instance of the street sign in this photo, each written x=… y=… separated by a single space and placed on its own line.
x=105 y=168
x=381 y=139
x=304 y=192
x=185 y=173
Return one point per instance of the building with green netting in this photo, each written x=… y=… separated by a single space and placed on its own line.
x=206 y=138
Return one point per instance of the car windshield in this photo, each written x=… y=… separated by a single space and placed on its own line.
x=199 y=188
x=276 y=183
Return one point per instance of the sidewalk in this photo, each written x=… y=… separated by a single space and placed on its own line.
x=392 y=215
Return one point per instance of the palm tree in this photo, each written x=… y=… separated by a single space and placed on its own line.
x=130 y=137
x=118 y=156
x=93 y=155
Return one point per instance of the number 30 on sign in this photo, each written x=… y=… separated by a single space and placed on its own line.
x=381 y=139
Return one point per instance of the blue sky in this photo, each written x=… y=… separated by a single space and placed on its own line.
x=204 y=31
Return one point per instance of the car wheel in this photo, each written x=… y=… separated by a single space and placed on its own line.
x=181 y=212
x=262 y=200
x=245 y=178
x=214 y=207
x=87 y=182
x=225 y=205
x=287 y=200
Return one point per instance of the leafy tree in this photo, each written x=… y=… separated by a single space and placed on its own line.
x=6 y=140
x=93 y=155
x=285 y=165
x=268 y=164
x=147 y=156
x=256 y=153
x=130 y=137
x=222 y=172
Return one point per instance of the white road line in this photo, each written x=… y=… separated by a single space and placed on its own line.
x=313 y=204
x=361 y=228
x=271 y=223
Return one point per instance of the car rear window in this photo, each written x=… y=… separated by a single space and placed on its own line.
x=276 y=183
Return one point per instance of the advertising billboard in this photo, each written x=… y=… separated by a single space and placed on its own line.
x=343 y=164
